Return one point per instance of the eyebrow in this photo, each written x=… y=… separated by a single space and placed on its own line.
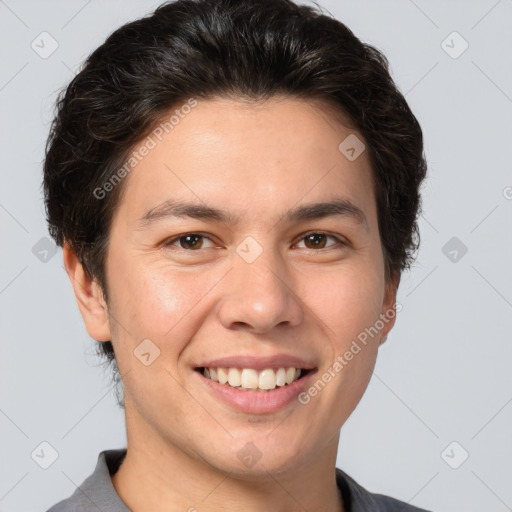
x=336 y=207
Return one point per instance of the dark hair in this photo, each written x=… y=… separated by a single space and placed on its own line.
x=232 y=48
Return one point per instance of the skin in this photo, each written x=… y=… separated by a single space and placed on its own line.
x=202 y=300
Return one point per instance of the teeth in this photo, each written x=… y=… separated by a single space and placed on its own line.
x=249 y=379
x=281 y=377
x=234 y=377
x=222 y=375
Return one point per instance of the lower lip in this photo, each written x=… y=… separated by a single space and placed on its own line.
x=257 y=402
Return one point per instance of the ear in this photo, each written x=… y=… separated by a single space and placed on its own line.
x=89 y=297
x=388 y=313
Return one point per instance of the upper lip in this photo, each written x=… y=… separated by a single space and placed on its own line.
x=257 y=362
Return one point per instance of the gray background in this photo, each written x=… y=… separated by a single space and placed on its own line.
x=444 y=374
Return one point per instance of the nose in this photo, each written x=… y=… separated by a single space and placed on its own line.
x=259 y=297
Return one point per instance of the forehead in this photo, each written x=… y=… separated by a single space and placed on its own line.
x=247 y=157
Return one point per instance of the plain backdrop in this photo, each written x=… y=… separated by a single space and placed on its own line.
x=434 y=427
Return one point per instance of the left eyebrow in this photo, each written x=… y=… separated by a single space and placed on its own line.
x=336 y=207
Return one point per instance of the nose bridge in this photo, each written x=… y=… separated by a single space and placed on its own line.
x=261 y=293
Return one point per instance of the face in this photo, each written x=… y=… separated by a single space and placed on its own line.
x=259 y=282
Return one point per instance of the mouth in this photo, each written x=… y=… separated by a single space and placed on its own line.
x=238 y=388
x=252 y=380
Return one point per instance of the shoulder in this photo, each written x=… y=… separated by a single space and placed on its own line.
x=359 y=499
x=68 y=505
x=75 y=503
x=96 y=492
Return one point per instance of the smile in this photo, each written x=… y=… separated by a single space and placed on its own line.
x=273 y=396
x=249 y=379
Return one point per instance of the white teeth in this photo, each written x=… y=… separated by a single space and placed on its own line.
x=250 y=379
x=222 y=375
x=267 y=379
x=281 y=377
x=234 y=377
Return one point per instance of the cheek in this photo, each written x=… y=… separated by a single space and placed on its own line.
x=161 y=303
x=350 y=309
x=154 y=302
x=348 y=299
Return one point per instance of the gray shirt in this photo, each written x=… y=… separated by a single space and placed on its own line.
x=97 y=494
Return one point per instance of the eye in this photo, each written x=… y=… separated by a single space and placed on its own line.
x=317 y=239
x=192 y=241
x=188 y=241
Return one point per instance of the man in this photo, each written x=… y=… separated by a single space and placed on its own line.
x=235 y=186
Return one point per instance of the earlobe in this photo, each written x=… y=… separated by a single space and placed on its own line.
x=89 y=297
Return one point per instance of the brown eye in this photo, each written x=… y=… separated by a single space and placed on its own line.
x=318 y=240
x=189 y=241
x=192 y=242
